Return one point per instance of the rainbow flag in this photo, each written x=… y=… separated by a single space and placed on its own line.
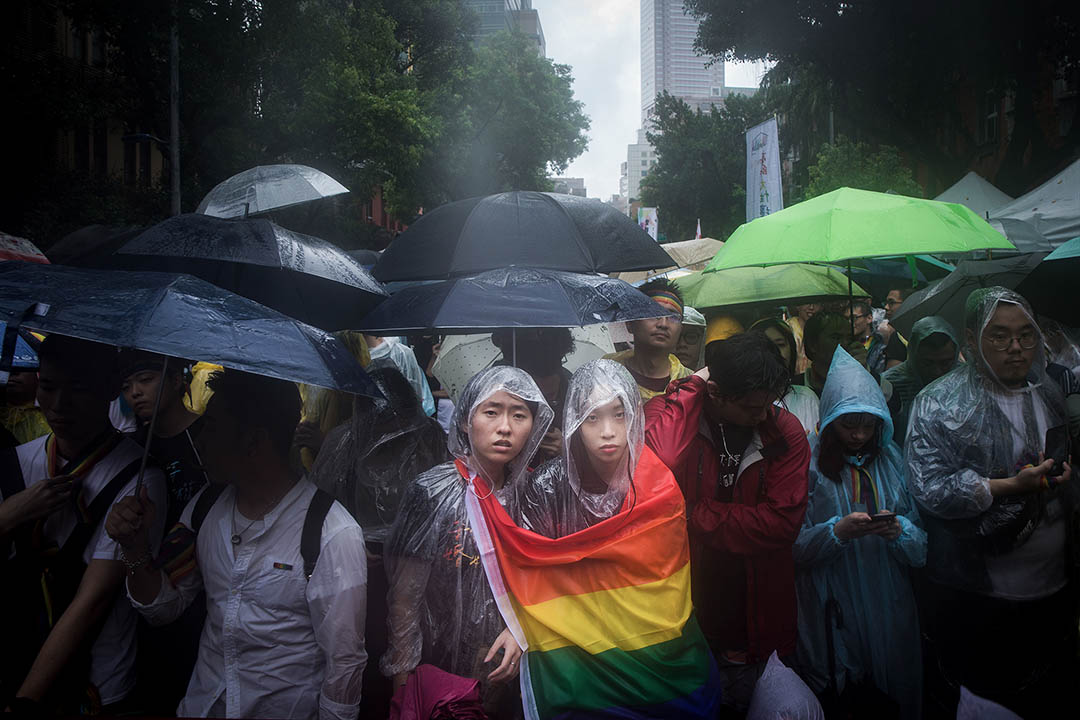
x=604 y=615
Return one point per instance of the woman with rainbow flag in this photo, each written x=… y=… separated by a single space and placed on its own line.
x=442 y=610
x=599 y=596
x=604 y=427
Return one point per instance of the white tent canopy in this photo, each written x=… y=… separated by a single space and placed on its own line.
x=1053 y=208
x=977 y=193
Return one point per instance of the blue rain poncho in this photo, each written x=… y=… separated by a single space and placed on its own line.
x=965 y=428
x=905 y=377
x=867 y=576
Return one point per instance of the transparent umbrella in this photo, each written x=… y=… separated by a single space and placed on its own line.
x=268 y=187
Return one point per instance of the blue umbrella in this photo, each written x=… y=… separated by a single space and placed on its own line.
x=510 y=298
x=176 y=315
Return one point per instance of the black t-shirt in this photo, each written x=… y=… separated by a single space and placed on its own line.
x=895 y=349
x=178 y=460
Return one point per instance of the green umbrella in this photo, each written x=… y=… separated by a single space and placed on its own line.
x=846 y=224
x=780 y=285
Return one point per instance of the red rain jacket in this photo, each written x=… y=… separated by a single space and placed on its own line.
x=762 y=521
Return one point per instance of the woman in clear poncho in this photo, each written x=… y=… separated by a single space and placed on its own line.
x=603 y=431
x=1002 y=531
x=850 y=563
x=442 y=611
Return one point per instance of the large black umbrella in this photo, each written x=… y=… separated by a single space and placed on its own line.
x=176 y=315
x=299 y=275
x=947 y=296
x=511 y=298
x=529 y=229
x=1049 y=287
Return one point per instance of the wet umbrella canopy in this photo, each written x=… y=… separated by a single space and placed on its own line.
x=176 y=315
x=299 y=275
x=268 y=187
x=531 y=229
x=511 y=298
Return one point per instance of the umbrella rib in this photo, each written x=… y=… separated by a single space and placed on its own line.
x=582 y=247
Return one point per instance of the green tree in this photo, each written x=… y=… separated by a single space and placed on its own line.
x=517 y=123
x=701 y=165
x=854 y=164
x=900 y=73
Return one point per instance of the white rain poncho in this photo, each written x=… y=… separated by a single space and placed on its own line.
x=557 y=505
x=368 y=462
x=442 y=611
x=905 y=379
x=866 y=577
x=965 y=428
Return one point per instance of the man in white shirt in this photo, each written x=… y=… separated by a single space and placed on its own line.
x=284 y=634
x=86 y=657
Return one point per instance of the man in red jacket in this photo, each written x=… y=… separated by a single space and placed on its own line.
x=742 y=464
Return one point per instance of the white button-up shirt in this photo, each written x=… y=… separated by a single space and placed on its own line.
x=274 y=645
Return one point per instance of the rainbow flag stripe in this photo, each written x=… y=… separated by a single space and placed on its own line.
x=604 y=615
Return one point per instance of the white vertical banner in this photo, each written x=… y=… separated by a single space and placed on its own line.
x=649 y=221
x=764 y=194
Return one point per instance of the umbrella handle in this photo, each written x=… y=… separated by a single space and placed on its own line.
x=150 y=430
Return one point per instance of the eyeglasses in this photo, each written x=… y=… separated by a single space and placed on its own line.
x=890 y=302
x=1002 y=342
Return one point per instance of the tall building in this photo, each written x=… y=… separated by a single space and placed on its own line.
x=495 y=16
x=640 y=157
x=569 y=186
x=669 y=62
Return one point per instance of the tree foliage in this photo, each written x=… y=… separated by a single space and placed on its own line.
x=900 y=73
x=854 y=164
x=378 y=93
x=701 y=165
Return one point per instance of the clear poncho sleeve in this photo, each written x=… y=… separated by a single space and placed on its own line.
x=934 y=456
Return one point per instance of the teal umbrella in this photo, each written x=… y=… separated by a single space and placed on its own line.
x=1051 y=285
x=846 y=224
x=795 y=284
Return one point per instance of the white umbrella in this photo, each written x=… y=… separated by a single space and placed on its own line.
x=268 y=187
x=462 y=356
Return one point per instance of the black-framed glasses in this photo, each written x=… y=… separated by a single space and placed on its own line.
x=1001 y=341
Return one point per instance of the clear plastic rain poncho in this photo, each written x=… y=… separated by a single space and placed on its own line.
x=442 y=611
x=965 y=428
x=557 y=505
x=866 y=577
x=368 y=462
x=905 y=378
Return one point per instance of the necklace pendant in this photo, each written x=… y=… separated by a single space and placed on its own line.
x=235 y=539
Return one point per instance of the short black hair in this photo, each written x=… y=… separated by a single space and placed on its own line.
x=816 y=325
x=904 y=290
x=663 y=284
x=746 y=363
x=862 y=307
x=557 y=344
x=84 y=358
x=262 y=402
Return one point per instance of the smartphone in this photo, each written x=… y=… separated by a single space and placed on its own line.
x=1057 y=448
x=883 y=516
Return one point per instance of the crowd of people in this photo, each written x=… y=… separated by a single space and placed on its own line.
x=893 y=518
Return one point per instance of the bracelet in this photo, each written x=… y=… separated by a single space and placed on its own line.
x=133 y=565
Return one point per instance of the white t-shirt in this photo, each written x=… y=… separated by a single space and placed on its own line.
x=112 y=665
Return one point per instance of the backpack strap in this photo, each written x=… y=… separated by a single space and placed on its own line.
x=202 y=506
x=95 y=513
x=311 y=536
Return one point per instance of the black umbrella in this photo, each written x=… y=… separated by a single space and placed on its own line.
x=511 y=298
x=530 y=229
x=947 y=296
x=299 y=275
x=91 y=246
x=176 y=315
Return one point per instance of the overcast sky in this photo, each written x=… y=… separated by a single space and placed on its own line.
x=601 y=40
